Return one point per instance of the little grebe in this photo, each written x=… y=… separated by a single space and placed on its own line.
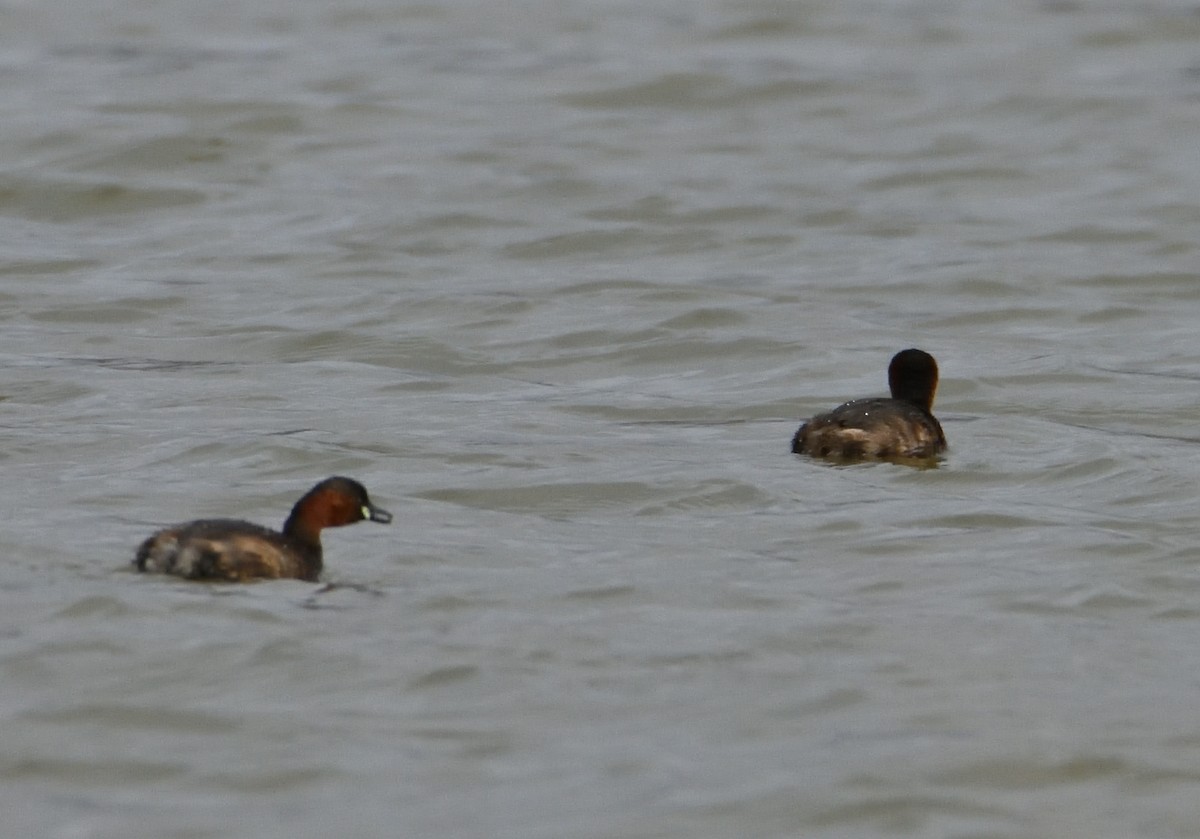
x=902 y=427
x=235 y=551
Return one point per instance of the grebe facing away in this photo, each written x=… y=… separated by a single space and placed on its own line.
x=236 y=551
x=901 y=428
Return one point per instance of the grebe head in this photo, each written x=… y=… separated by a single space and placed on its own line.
x=913 y=377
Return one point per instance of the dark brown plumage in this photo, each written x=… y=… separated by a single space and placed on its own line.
x=236 y=551
x=900 y=428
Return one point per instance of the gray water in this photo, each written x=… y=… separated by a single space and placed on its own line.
x=557 y=281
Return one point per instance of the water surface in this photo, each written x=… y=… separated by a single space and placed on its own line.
x=557 y=282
